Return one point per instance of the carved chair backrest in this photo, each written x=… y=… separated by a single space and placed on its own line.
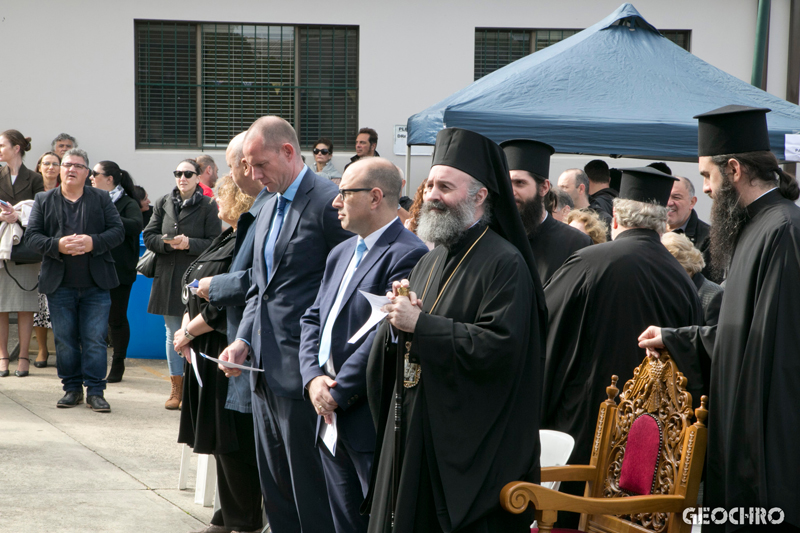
x=653 y=424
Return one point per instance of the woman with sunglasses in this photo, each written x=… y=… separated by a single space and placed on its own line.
x=183 y=224
x=49 y=166
x=323 y=153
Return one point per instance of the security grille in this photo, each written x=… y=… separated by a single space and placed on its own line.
x=198 y=85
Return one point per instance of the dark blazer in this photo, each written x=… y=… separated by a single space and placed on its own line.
x=27 y=185
x=271 y=320
x=201 y=224
x=100 y=221
x=126 y=255
x=230 y=289
x=553 y=243
x=391 y=259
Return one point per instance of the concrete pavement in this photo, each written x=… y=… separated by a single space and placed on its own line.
x=74 y=470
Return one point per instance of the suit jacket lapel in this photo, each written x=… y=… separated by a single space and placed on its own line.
x=381 y=247
x=294 y=210
x=5 y=182
x=338 y=276
x=22 y=181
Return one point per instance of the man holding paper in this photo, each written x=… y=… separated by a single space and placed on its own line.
x=334 y=370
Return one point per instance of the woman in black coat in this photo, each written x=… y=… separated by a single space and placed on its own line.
x=183 y=224
x=208 y=425
x=119 y=184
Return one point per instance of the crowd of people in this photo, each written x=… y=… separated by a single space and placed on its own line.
x=509 y=303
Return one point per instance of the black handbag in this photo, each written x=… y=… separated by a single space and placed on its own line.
x=147 y=264
x=22 y=254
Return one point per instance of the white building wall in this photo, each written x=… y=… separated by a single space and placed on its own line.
x=69 y=66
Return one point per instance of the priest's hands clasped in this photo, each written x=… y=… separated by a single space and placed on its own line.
x=404 y=311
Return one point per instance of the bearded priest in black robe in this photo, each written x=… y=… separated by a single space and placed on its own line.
x=753 y=416
x=471 y=337
x=552 y=242
x=598 y=303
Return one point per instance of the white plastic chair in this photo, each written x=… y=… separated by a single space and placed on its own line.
x=556 y=449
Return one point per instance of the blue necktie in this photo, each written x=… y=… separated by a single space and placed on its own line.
x=325 y=341
x=272 y=238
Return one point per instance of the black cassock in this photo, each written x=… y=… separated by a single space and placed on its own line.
x=469 y=426
x=599 y=303
x=552 y=243
x=754 y=405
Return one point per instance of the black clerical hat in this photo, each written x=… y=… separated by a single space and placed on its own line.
x=646 y=184
x=485 y=161
x=732 y=129
x=529 y=155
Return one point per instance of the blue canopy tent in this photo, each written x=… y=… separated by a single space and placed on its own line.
x=618 y=88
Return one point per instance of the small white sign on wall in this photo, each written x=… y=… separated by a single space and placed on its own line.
x=791 y=147
x=400 y=135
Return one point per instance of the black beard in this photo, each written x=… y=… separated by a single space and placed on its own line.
x=531 y=212
x=728 y=217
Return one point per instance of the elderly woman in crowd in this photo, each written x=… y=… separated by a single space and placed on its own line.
x=323 y=153
x=49 y=167
x=212 y=417
x=590 y=223
x=691 y=259
x=119 y=184
x=17 y=281
x=183 y=224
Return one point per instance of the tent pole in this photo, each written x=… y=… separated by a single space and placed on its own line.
x=408 y=169
x=762 y=35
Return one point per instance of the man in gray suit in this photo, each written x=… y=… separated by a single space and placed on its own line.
x=294 y=232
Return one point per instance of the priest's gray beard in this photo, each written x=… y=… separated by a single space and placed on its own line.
x=531 y=212
x=728 y=217
x=447 y=225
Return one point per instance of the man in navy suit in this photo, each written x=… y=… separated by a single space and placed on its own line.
x=334 y=371
x=295 y=231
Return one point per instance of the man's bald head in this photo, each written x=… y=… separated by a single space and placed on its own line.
x=234 y=156
x=273 y=132
x=381 y=173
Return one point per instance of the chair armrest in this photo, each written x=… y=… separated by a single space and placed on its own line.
x=568 y=473
x=516 y=496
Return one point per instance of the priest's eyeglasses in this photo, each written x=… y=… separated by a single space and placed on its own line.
x=344 y=192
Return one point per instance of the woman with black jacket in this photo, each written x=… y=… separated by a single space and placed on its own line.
x=183 y=224
x=109 y=177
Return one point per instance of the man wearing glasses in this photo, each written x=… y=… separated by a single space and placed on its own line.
x=335 y=371
x=75 y=227
x=323 y=153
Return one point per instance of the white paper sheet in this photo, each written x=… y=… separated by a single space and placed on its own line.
x=193 y=286
x=231 y=365
x=791 y=147
x=329 y=434
x=196 y=371
x=375 y=302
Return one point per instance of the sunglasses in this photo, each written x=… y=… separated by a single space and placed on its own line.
x=188 y=174
x=324 y=151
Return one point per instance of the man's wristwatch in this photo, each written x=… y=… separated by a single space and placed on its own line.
x=187 y=334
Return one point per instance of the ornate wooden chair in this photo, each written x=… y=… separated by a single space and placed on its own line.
x=647 y=459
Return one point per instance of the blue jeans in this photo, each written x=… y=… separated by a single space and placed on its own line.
x=174 y=359
x=80 y=325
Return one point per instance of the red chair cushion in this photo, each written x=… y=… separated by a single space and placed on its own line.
x=641 y=456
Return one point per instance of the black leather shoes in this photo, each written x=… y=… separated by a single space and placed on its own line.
x=23 y=373
x=98 y=404
x=71 y=399
x=40 y=364
x=4 y=373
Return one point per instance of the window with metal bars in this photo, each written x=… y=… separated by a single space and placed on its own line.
x=200 y=84
x=497 y=47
